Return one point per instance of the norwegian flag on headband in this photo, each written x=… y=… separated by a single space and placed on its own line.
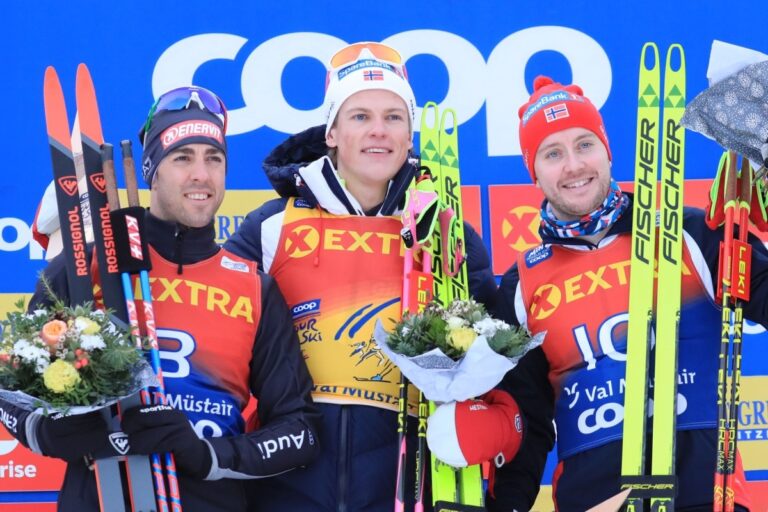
x=556 y=112
x=373 y=75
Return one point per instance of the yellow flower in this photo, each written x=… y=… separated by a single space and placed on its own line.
x=60 y=376
x=86 y=325
x=462 y=337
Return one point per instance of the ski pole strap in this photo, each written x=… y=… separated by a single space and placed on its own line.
x=132 y=247
x=715 y=212
x=741 y=259
x=452 y=243
x=653 y=486
x=759 y=204
x=419 y=216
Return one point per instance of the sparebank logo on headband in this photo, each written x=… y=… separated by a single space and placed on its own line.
x=367 y=63
x=186 y=129
x=546 y=100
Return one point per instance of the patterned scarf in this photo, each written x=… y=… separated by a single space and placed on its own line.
x=610 y=211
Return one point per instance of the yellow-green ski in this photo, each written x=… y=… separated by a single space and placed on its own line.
x=670 y=283
x=658 y=486
x=641 y=275
x=454 y=490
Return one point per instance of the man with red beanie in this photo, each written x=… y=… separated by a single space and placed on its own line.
x=575 y=286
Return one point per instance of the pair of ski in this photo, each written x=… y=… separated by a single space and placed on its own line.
x=127 y=482
x=735 y=191
x=442 y=278
x=647 y=261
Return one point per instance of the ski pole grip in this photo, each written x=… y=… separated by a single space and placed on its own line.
x=729 y=194
x=745 y=194
x=108 y=168
x=132 y=247
x=130 y=173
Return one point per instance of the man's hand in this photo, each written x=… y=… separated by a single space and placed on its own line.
x=160 y=429
x=466 y=433
x=72 y=437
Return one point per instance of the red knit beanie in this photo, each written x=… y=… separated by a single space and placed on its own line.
x=554 y=107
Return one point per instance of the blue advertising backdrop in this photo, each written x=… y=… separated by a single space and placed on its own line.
x=266 y=60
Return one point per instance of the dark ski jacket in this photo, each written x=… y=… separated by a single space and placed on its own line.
x=278 y=378
x=356 y=470
x=589 y=473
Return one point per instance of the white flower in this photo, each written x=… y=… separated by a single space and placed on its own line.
x=91 y=342
x=20 y=346
x=454 y=322
x=40 y=312
x=81 y=323
x=42 y=364
x=487 y=327
x=33 y=354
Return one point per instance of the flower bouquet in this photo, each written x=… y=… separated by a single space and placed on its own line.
x=71 y=359
x=454 y=353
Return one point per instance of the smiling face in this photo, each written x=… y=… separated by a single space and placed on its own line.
x=372 y=137
x=188 y=187
x=574 y=172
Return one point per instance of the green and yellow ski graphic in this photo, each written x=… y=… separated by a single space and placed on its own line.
x=659 y=486
x=641 y=273
x=451 y=489
x=670 y=281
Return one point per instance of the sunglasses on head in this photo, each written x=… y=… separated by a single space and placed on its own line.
x=349 y=54
x=181 y=99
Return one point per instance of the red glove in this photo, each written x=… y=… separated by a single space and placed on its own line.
x=471 y=432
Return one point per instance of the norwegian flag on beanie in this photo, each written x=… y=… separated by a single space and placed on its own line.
x=554 y=107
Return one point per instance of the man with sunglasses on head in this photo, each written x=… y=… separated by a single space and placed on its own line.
x=225 y=333
x=332 y=242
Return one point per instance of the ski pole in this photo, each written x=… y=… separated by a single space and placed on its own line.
x=417 y=293
x=740 y=265
x=726 y=251
x=130 y=217
x=149 y=323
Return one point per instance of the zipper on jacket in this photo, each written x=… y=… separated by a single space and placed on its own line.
x=179 y=236
x=343 y=468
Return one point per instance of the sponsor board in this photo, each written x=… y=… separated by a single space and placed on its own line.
x=271 y=77
x=236 y=205
x=514 y=215
x=22 y=470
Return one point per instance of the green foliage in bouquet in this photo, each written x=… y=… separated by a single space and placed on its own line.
x=453 y=330
x=66 y=356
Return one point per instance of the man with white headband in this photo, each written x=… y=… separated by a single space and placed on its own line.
x=332 y=242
